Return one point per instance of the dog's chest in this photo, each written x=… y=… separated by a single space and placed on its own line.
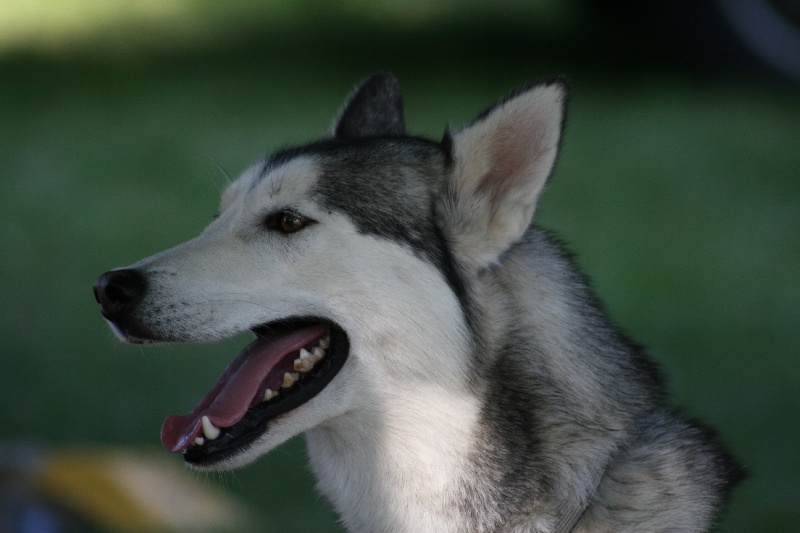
x=402 y=470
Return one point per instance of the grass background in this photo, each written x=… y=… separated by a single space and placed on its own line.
x=678 y=187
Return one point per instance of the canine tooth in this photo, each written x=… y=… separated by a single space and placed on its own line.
x=199 y=441
x=209 y=430
x=289 y=379
x=269 y=394
x=325 y=342
x=304 y=364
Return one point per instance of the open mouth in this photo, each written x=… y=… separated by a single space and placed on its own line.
x=288 y=363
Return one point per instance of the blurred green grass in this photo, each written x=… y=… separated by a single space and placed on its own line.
x=679 y=194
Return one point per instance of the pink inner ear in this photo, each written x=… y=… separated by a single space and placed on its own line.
x=514 y=153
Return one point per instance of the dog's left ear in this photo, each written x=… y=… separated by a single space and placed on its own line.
x=501 y=163
x=375 y=108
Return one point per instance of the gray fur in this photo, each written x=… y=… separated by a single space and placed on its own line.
x=542 y=417
x=573 y=419
x=374 y=109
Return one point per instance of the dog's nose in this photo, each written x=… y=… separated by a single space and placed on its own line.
x=118 y=291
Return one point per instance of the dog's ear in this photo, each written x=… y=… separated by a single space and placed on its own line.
x=501 y=162
x=374 y=108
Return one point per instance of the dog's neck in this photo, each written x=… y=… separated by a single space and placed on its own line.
x=399 y=466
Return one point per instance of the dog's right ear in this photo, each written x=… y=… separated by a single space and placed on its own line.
x=373 y=109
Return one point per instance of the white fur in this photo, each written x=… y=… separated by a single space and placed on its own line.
x=390 y=466
x=502 y=163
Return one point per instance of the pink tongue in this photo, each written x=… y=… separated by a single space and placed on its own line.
x=227 y=402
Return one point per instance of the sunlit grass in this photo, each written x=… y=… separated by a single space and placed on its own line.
x=51 y=24
x=122 y=26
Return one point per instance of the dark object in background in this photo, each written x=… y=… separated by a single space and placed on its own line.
x=722 y=35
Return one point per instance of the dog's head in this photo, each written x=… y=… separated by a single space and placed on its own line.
x=350 y=259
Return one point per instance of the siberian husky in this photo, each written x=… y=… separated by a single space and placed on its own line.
x=450 y=368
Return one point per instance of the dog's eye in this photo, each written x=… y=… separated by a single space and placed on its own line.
x=286 y=221
x=290 y=222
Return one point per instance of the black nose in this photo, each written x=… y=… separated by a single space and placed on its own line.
x=118 y=291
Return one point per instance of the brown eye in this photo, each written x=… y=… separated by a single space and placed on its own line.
x=286 y=221
x=291 y=222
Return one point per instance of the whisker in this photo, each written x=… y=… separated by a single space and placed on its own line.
x=225 y=174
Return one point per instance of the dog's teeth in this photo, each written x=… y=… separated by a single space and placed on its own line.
x=199 y=441
x=289 y=379
x=307 y=359
x=325 y=342
x=304 y=364
x=269 y=394
x=209 y=430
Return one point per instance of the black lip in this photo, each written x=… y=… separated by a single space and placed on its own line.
x=256 y=422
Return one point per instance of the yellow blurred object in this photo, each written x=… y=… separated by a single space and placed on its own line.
x=124 y=491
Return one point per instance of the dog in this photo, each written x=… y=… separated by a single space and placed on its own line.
x=449 y=366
